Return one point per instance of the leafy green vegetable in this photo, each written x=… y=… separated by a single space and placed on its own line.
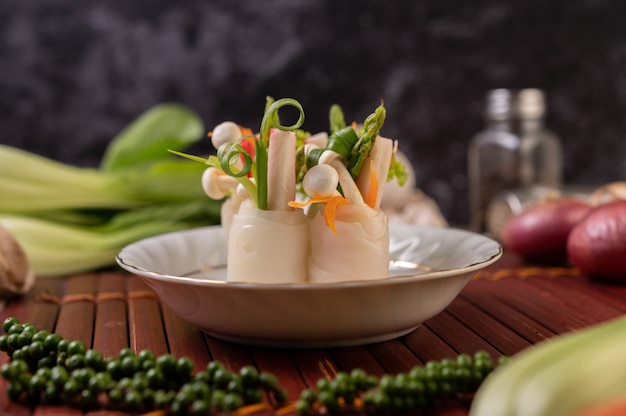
x=398 y=171
x=166 y=126
x=70 y=219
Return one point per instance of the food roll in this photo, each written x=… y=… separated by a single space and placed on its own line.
x=267 y=246
x=359 y=250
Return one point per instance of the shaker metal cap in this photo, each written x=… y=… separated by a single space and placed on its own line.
x=499 y=104
x=531 y=103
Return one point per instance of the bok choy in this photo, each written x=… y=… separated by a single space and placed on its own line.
x=71 y=219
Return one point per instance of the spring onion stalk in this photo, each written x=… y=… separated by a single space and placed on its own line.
x=71 y=219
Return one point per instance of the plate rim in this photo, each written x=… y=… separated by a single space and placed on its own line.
x=438 y=274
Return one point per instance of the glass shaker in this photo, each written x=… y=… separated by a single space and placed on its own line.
x=493 y=156
x=540 y=149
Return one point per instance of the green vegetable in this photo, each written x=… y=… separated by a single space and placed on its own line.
x=336 y=118
x=229 y=154
x=398 y=171
x=421 y=387
x=141 y=382
x=352 y=144
x=129 y=382
x=70 y=219
x=166 y=126
x=559 y=376
x=371 y=127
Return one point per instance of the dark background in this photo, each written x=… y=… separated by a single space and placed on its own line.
x=74 y=73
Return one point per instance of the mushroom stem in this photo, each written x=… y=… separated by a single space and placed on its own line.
x=348 y=186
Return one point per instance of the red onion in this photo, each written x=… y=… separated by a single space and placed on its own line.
x=597 y=244
x=541 y=231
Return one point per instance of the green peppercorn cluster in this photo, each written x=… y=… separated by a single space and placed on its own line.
x=46 y=368
x=423 y=386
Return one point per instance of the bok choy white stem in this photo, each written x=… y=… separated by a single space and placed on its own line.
x=70 y=219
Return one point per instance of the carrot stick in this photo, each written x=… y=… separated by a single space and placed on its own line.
x=372 y=194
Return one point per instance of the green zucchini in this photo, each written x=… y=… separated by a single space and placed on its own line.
x=558 y=376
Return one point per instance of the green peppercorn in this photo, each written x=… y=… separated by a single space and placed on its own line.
x=15 y=389
x=162 y=399
x=88 y=398
x=51 y=393
x=71 y=387
x=20 y=354
x=129 y=365
x=12 y=343
x=48 y=361
x=232 y=401
x=16 y=328
x=268 y=380
x=132 y=400
x=75 y=361
x=114 y=368
x=145 y=355
x=249 y=375
x=126 y=352
x=252 y=395
x=25 y=337
x=167 y=364
x=62 y=344
x=155 y=378
x=115 y=395
x=76 y=347
x=94 y=359
x=222 y=377
x=9 y=322
x=199 y=407
x=59 y=375
x=327 y=398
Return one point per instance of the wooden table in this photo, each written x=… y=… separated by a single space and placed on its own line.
x=506 y=308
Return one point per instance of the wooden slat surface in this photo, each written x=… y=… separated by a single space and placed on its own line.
x=506 y=308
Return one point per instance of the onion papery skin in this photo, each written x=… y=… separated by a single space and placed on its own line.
x=540 y=233
x=597 y=244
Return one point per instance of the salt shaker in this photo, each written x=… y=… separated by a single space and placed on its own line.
x=493 y=156
x=540 y=149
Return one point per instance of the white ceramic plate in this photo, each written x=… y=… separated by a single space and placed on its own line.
x=429 y=268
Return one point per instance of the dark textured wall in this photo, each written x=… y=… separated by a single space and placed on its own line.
x=73 y=73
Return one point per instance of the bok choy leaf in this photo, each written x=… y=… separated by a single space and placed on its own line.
x=71 y=219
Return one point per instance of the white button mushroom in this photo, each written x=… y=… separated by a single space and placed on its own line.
x=320 y=181
x=216 y=184
x=225 y=132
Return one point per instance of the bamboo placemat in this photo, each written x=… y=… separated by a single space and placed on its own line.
x=503 y=310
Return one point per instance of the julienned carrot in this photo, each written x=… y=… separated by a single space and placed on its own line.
x=330 y=208
x=376 y=170
x=372 y=193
